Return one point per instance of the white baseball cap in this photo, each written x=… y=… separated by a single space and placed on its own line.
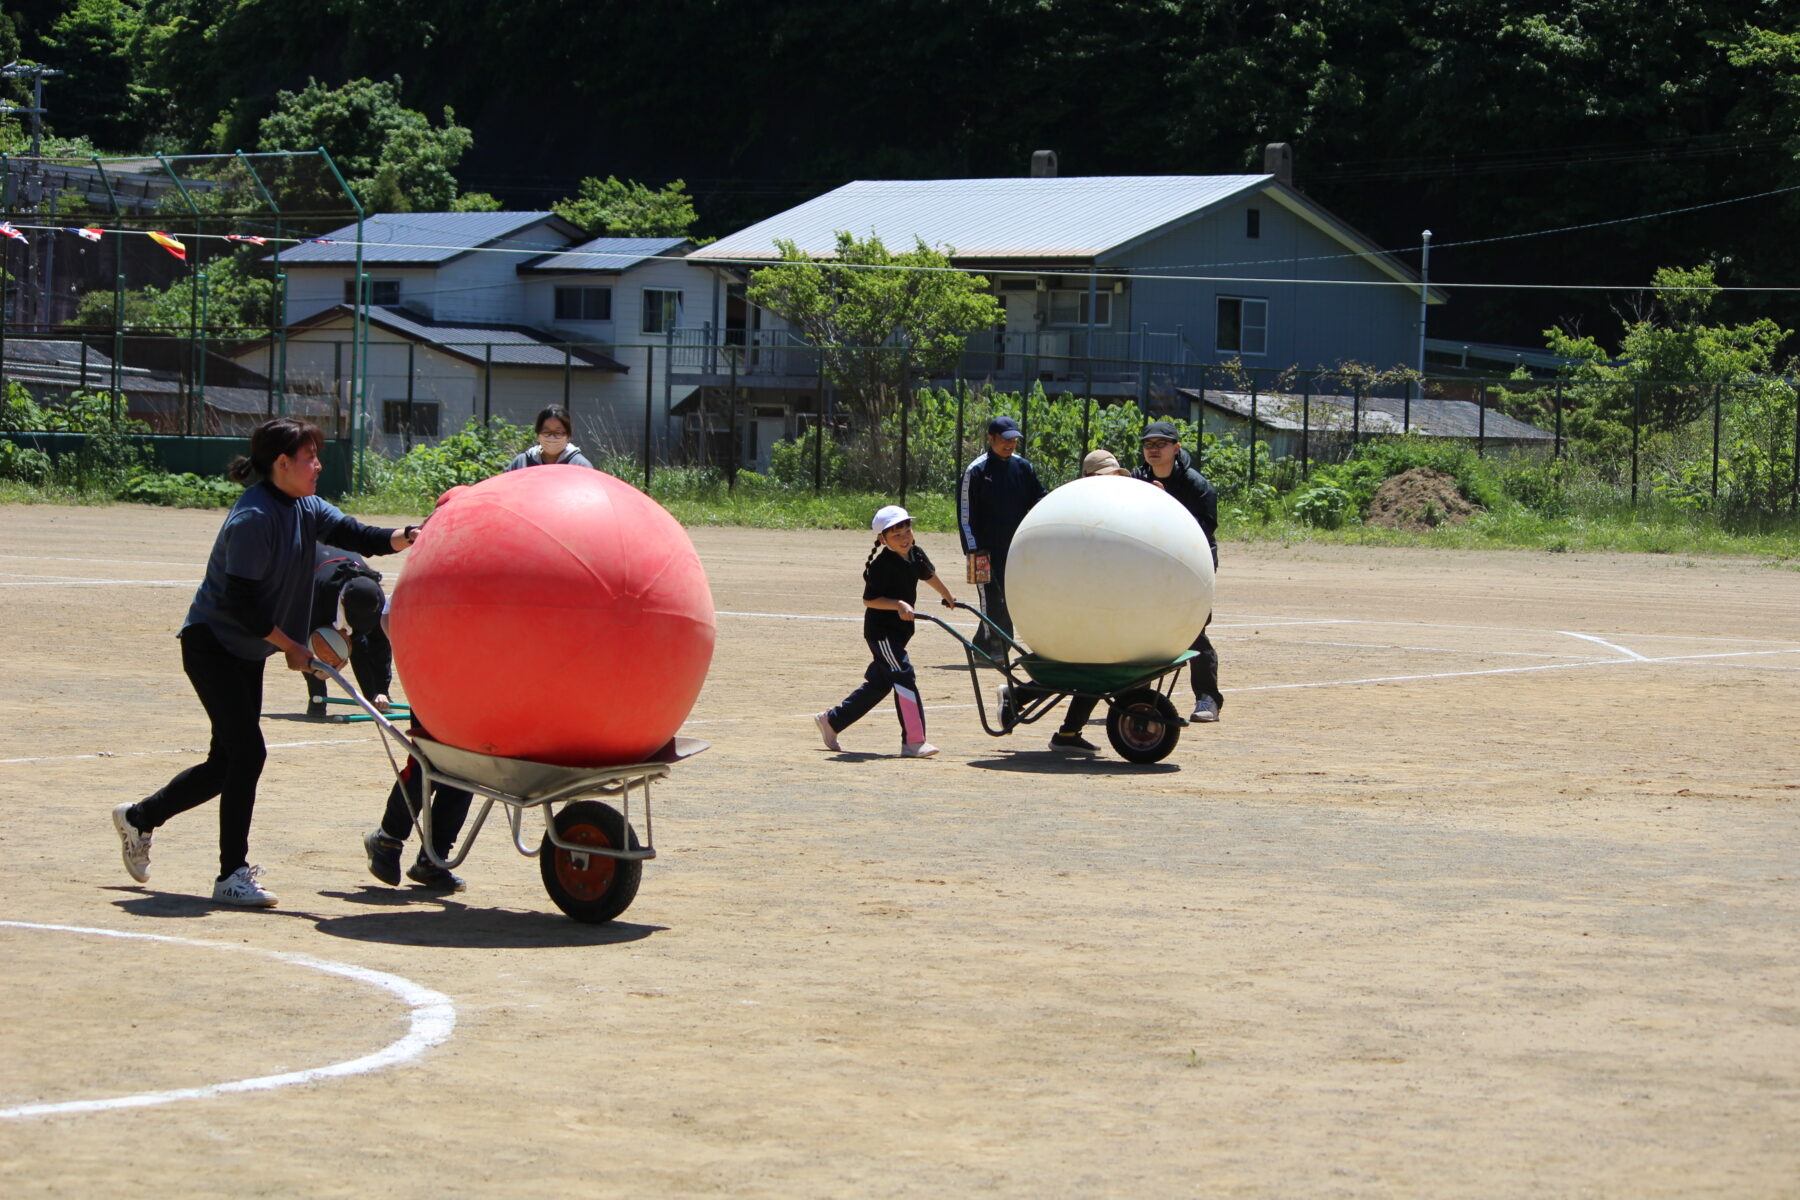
x=887 y=517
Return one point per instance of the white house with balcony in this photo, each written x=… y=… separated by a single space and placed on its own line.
x=476 y=314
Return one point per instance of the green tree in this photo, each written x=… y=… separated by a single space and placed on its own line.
x=103 y=95
x=236 y=298
x=1669 y=358
x=874 y=314
x=612 y=207
x=393 y=158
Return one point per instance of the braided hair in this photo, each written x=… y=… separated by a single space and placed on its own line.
x=873 y=555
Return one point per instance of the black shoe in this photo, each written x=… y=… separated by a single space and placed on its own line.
x=315 y=708
x=384 y=857
x=1072 y=743
x=428 y=874
x=1009 y=712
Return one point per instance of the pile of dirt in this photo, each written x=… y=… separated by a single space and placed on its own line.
x=1419 y=500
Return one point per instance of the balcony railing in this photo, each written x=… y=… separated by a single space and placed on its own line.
x=1018 y=356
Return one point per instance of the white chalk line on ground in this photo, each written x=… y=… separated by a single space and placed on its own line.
x=176 y=750
x=110 y=562
x=433 y=1019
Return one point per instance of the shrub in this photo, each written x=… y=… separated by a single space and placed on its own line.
x=180 y=491
x=23 y=464
x=1322 y=505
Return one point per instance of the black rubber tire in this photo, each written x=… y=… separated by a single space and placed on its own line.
x=1143 y=726
x=607 y=886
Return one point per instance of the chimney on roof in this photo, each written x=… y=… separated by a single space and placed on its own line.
x=1043 y=164
x=1278 y=160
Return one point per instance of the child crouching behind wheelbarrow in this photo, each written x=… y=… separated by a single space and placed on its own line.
x=890 y=588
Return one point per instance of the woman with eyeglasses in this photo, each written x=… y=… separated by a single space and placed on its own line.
x=553 y=446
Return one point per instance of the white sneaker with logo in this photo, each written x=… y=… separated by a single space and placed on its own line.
x=242 y=887
x=134 y=844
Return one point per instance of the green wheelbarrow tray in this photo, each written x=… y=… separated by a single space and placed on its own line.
x=1141 y=721
x=1095 y=679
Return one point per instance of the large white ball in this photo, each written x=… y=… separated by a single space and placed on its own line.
x=1109 y=569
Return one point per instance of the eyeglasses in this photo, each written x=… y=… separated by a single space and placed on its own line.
x=544 y=435
x=1158 y=444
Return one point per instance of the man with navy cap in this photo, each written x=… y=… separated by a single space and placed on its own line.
x=996 y=492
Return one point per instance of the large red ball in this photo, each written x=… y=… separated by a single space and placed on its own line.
x=555 y=614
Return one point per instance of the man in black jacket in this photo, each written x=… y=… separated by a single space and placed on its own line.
x=1171 y=468
x=996 y=492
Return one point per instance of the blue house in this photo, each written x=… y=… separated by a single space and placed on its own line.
x=1105 y=281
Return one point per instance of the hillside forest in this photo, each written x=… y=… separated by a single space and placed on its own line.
x=1584 y=144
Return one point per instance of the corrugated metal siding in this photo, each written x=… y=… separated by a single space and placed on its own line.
x=989 y=218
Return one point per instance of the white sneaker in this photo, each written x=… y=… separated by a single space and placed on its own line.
x=134 y=844
x=1205 y=709
x=241 y=888
x=917 y=750
x=826 y=733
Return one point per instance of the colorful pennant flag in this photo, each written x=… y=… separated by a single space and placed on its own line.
x=170 y=244
x=90 y=233
x=7 y=229
x=237 y=237
x=318 y=242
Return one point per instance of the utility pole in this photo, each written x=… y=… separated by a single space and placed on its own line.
x=33 y=191
x=1424 y=299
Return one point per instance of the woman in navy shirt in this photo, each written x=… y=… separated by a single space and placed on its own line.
x=255 y=601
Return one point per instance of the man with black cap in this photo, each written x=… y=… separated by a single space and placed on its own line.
x=1171 y=468
x=347 y=593
x=997 y=490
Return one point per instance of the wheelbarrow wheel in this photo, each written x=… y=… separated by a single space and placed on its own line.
x=1143 y=726
x=590 y=887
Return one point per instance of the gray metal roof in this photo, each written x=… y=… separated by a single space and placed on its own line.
x=1380 y=414
x=513 y=345
x=605 y=254
x=426 y=238
x=1077 y=217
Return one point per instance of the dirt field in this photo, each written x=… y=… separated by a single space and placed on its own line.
x=1485 y=886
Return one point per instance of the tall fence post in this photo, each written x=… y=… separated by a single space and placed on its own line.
x=905 y=406
x=1481 y=422
x=568 y=379
x=1559 y=418
x=1306 y=427
x=1637 y=420
x=487 y=386
x=961 y=400
x=1718 y=411
x=1253 y=390
x=1356 y=399
x=411 y=349
x=731 y=459
x=819 y=436
x=1406 y=404
x=649 y=407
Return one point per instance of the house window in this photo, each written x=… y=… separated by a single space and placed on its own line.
x=583 y=304
x=1243 y=325
x=662 y=310
x=1253 y=222
x=424 y=417
x=385 y=292
x=1070 y=307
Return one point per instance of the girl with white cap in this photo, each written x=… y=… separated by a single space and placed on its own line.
x=890 y=589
